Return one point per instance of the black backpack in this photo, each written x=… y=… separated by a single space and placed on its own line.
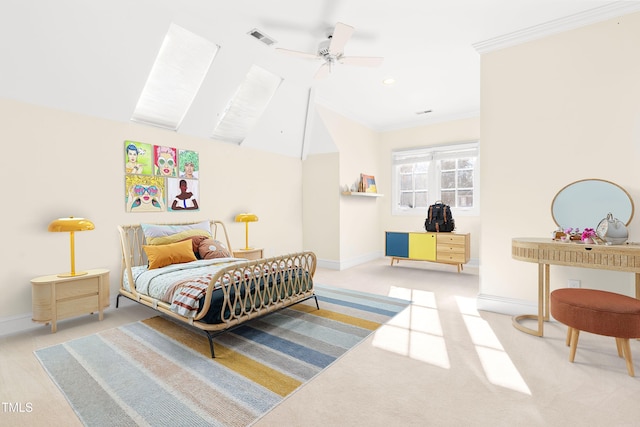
x=439 y=218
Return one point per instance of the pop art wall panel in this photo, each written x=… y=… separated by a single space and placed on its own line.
x=160 y=178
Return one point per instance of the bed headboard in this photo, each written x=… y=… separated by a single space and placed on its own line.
x=132 y=240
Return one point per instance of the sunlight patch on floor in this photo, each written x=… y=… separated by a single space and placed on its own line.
x=497 y=364
x=415 y=332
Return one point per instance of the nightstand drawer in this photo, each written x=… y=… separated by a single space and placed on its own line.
x=89 y=286
x=77 y=306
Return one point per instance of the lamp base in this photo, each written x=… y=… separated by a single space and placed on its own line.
x=77 y=273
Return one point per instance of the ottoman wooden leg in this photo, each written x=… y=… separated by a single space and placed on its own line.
x=575 y=333
x=619 y=347
x=569 y=336
x=626 y=350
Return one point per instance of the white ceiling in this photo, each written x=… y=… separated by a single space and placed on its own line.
x=93 y=57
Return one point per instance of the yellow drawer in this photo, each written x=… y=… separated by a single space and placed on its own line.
x=89 y=286
x=76 y=307
x=451 y=238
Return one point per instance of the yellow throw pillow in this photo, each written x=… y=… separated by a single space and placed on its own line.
x=172 y=253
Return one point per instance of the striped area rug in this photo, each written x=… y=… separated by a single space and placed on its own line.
x=156 y=372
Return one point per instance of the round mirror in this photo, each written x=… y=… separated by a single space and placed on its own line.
x=585 y=203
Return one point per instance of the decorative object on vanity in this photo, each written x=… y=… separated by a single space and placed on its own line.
x=588 y=235
x=612 y=231
x=584 y=203
x=71 y=225
x=439 y=218
x=246 y=218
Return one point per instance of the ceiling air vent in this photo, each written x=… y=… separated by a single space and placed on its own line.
x=256 y=33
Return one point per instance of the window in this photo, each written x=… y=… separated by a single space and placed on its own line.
x=424 y=175
x=177 y=74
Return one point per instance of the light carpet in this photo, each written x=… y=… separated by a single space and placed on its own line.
x=157 y=372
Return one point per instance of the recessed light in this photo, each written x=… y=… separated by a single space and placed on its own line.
x=389 y=81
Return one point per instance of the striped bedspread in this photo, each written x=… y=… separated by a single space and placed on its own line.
x=184 y=285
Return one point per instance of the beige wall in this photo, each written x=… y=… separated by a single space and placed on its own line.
x=555 y=110
x=60 y=164
x=357 y=238
x=321 y=206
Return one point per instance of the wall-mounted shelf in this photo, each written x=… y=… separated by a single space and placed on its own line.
x=361 y=194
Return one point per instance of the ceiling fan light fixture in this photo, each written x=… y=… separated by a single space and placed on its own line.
x=331 y=51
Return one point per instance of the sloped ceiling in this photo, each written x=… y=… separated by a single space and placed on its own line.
x=93 y=57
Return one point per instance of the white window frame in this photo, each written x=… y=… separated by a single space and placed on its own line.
x=432 y=154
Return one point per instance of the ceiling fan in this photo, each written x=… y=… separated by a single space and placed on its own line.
x=331 y=51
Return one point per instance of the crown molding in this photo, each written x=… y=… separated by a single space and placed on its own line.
x=591 y=16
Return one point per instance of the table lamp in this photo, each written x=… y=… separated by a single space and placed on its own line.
x=71 y=225
x=246 y=218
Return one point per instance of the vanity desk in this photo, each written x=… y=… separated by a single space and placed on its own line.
x=547 y=252
x=581 y=204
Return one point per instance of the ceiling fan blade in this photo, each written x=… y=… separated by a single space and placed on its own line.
x=297 y=53
x=341 y=35
x=323 y=71
x=363 y=61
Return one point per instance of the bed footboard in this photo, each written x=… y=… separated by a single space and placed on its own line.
x=240 y=291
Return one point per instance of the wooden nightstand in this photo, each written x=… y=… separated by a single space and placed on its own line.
x=55 y=298
x=253 y=253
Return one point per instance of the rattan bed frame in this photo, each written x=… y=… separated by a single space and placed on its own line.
x=239 y=309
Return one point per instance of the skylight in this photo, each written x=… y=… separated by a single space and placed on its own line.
x=247 y=105
x=177 y=74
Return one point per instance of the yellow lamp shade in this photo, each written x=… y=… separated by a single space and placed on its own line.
x=246 y=218
x=71 y=225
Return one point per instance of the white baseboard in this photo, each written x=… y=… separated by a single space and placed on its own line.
x=352 y=262
x=502 y=305
x=343 y=265
x=22 y=322
x=15 y=324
